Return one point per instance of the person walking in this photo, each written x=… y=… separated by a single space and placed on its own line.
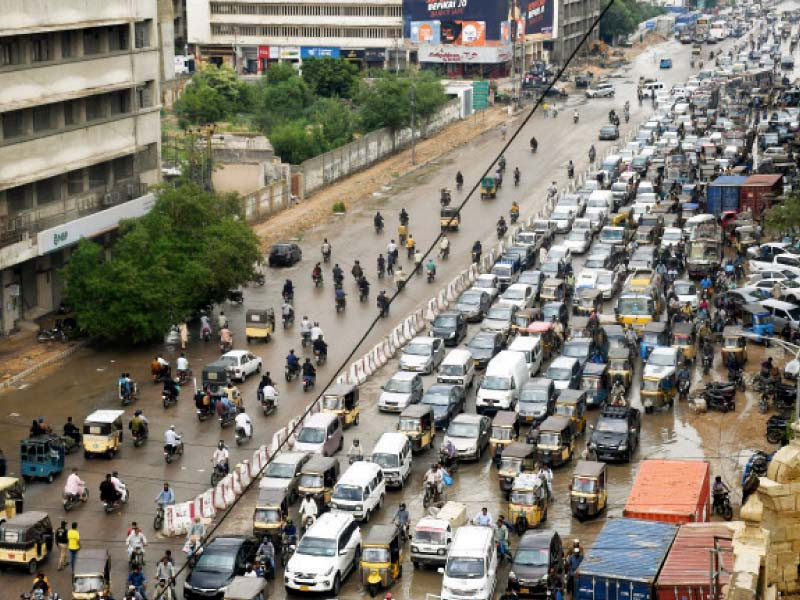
x=73 y=544
x=61 y=542
x=183 y=328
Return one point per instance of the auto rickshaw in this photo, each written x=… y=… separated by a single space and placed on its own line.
x=620 y=218
x=522 y=319
x=734 y=342
x=587 y=492
x=684 y=338
x=527 y=506
x=505 y=429
x=342 y=399
x=417 y=422
x=587 y=301
x=12 y=491
x=518 y=457
x=26 y=540
x=644 y=235
x=655 y=335
x=616 y=337
x=581 y=327
x=554 y=440
x=657 y=391
x=259 y=324
x=269 y=516
x=757 y=320
x=246 y=588
x=41 y=457
x=572 y=403
x=553 y=290
x=449 y=218
x=91 y=574
x=620 y=365
x=317 y=478
x=594 y=381
x=488 y=187
x=544 y=329
x=102 y=433
x=745 y=236
x=381 y=558
x=214 y=377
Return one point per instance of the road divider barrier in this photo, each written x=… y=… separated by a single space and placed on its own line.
x=245 y=476
x=277 y=439
x=178 y=518
x=205 y=504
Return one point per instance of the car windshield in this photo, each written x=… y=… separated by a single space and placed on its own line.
x=534 y=395
x=583 y=485
x=493 y=382
x=282 y=470
x=565 y=410
x=683 y=288
x=311 y=480
x=216 y=561
x=795 y=314
x=375 y=555
x=427 y=536
x=465 y=568
x=597 y=203
x=452 y=370
x=576 y=349
x=87 y=584
x=611 y=425
x=268 y=515
x=312 y=546
x=398 y=386
x=605 y=279
x=595 y=262
x=482 y=342
x=672 y=235
x=311 y=435
x=485 y=283
x=561 y=215
x=386 y=461
x=469 y=299
x=661 y=359
x=444 y=321
x=532 y=557
x=501 y=313
x=611 y=235
x=559 y=373
x=634 y=306
x=525 y=497
x=462 y=430
x=577 y=236
x=514 y=465
x=281 y=249
x=502 y=433
x=514 y=294
x=417 y=349
x=551 y=266
x=436 y=397
x=343 y=491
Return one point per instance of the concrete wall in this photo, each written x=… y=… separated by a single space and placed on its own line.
x=267 y=201
x=367 y=150
x=240 y=178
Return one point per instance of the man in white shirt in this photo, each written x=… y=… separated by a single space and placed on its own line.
x=483 y=518
x=75 y=485
x=119 y=486
x=220 y=456
x=244 y=423
x=182 y=364
x=434 y=477
x=391 y=247
x=308 y=508
x=135 y=539
x=171 y=438
x=316 y=331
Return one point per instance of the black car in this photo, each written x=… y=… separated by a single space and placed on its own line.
x=451 y=327
x=616 y=433
x=608 y=132
x=583 y=81
x=483 y=346
x=446 y=401
x=537 y=553
x=527 y=255
x=222 y=559
x=473 y=304
x=284 y=254
x=537 y=401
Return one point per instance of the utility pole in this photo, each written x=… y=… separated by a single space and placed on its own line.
x=413 y=126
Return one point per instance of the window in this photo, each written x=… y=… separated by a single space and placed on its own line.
x=66 y=44
x=123 y=167
x=71 y=112
x=143 y=96
x=41 y=118
x=91 y=42
x=40 y=48
x=142 y=34
x=95 y=108
x=75 y=182
x=118 y=38
x=97 y=175
x=18 y=199
x=12 y=124
x=9 y=52
x=120 y=102
x=46 y=191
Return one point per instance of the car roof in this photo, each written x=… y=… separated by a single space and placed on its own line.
x=467 y=418
x=404 y=375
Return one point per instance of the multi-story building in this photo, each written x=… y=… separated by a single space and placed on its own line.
x=251 y=34
x=575 y=18
x=79 y=135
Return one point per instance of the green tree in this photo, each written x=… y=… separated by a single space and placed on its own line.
x=330 y=77
x=280 y=72
x=281 y=101
x=784 y=217
x=617 y=21
x=296 y=141
x=214 y=94
x=429 y=95
x=189 y=250
x=384 y=102
x=225 y=81
x=336 y=120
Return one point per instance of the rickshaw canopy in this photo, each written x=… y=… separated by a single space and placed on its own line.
x=592 y=369
x=519 y=450
x=381 y=535
x=104 y=416
x=92 y=561
x=589 y=468
x=260 y=316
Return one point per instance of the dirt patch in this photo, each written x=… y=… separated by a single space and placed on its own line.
x=362 y=185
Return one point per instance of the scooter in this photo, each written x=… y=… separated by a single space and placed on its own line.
x=170 y=452
x=320 y=358
x=722 y=506
x=308 y=383
x=73 y=500
x=242 y=436
x=139 y=437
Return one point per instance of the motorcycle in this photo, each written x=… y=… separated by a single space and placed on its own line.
x=514 y=216
x=476 y=257
x=735 y=377
x=381 y=272
x=320 y=358
x=378 y=227
x=288 y=319
x=235 y=296
x=326 y=256
x=575 y=118
x=501 y=231
x=341 y=303
x=130 y=397
x=444 y=253
x=409 y=252
x=170 y=452
x=269 y=404
x=707 y=361
x=219 y=473
x=763 y=403
x=317 y=280
x=227 y=418
x=683 y=389
x=184 y=376
x=56 y=334
x=205 y=333
x=139 y=437
x=110 y=507
x=204 y=413
x=783 y=395
x=168 y=398
x=288 y=546
x=242 y=436
x=225 y=347
x=352 y=458
x=288 y=297
x=137 y=558
x=291 y=372
x=383 y=309
x=431 y=276
x=720 y=397
x=158 y=519
x=363 y=294
x=308 y=383
x=776 y=429
x=722 y=505
x=430 y=496
x=260 y=279
x=305 y=338
x=73 y=500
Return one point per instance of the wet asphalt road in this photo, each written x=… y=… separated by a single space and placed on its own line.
x=87 y=381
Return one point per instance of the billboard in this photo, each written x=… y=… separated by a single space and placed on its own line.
x=425 y=32
x=319 y=52
x=541 y=18
x=452 y=15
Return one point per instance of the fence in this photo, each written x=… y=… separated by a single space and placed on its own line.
x=266 y=201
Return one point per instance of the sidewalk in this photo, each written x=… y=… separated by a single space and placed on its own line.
x=21 y=355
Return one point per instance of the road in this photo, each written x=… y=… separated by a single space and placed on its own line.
x=87 y=382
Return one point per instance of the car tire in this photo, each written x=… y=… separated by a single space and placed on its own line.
x=337 y=585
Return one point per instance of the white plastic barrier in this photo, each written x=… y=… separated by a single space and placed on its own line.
x=358 y=372
x=381 y=354
x=277 y=439
x=223 y=493
x=238 y=488
x=369 y=364
x=441 y=300
x=178 y=518
x=421 y=323
x=205 y=504
x=256 y=464
x=409 y=329
x=314 y=407
x=245 y=473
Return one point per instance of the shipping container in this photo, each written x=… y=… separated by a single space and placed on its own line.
x=758 y=192
x=624 y=561
x=685 y=574
x=723 y=194
x=675 y=491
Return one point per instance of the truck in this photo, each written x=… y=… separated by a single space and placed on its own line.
x=704 y=249
x=674 y=491
x=624 y=560
x=433 y=535
x=723 y=194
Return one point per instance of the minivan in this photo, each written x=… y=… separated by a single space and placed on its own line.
x=784 y=314
x=392 y=453
x=283 y=472
x=360 y=490
x=321 y=433
x=499 y=389
x=531 y=348
x=538 y=553
x=565 y=372
x=537 y=401
x=458 y=368
x=471 y=568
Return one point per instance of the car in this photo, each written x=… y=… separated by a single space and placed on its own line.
x=446 y=401
x=562 y=218
x=469 y=434
x=525 y=253
x=560 y=252
x=538 y=554
x=223 y=558
x=767 y=251
x=776 y=154
x=488 y=283
x=552 y=269
x=686 y=291
x=575 y=202
x=283 y=472
x=473 y=304
x=583 y=81
x=449 y=326
x=672 y=236
x=499 y=319
x=402 y=390
x=579 y=348
x=608 y=132
x=598 y=260
x=241 y=363
x=644 y=257
x=518 y=294
x=534 y=279
x=578 y=241
x=484 y=345
x=609 y=281
x=422 y=354
x=662 y=361
x=587 y=278
x=790 y=289
x=665 y=63
x=285 y=254
x=583 y=224
x=615 y=436
x=601 y=90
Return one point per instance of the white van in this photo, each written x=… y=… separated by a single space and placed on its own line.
x=531 y=348
x=458 y=368
x=433 y=535
x=652 y=88
x=471 y=568
x=393 y=454
x=360 y=490
x=505 y=375
x=320 y=433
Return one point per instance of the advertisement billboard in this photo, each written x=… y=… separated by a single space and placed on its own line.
x=453 y=14
x=541 y=18
x=473 y=33
x=425 y=32
x=319 y=52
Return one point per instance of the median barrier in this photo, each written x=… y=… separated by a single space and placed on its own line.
x=380 y=354
x=236 y=480
x=245 y=475
x=205 y=504
x=441 y=300
x=277 y=439
x=178 y=518
x=409 y=328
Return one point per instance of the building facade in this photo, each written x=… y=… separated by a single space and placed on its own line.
x=575 y=18
x=251 y=34
x=79 y=134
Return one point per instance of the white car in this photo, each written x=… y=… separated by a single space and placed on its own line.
x=241 y=363
x=608 y=282
x=487 y=282
x=601 y=90
x=562 y=218
x=586 y=279
x=422 y=354
x=578 y=241
x=790 y=289
x=560 y=252
x=584 y=224
x=686 y=291
x=518 y=294
x=671 y=237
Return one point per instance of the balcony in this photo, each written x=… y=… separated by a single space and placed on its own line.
x=33 y=16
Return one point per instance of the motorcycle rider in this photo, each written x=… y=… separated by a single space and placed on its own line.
x=138 y=424
x=166 y=497
x=267 y=551
x=459 y=180
x=225 y=337
x=363 y=286
x=399 y=276
x=292 y=362
x=326 y=249
x=320 y=348
x=617 y=393
x=109 y=493
x=534 y=144
x=383 y=303
x=309 y=372
x=514 y=211
x=308 y=510
x=316 y=331
x=135 y=539
x=402 y=519
x=718 y=492
x=205 y=326
x=340 y=297
x=338 y=274
x=119 y=486
x=316 y=274
x=220 y=457
x=501 y=225
x=287 y=312
x=71 y=430
x=430 y=268
x=448 y=453
x=377 y=220
x=305 y=328
x=552 y=190
x=410 y=244
x=403 y=216
x=477 y=250
x=444 y=246
x=74 y=485
x=434 y=478
x=381 y=266
x=684 y=375
x=517 y=175
x=181 y=366
x=288 y=290
x=357 y=272
x=417 y=260
x=708 y=351
x=244 y=423
x=171 y=440
x=356 y=452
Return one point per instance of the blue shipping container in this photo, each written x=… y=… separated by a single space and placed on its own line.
x=624 y=561
x=723 y=194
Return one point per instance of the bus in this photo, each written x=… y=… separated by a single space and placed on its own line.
x=701 y=26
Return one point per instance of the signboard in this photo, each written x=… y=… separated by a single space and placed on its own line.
x=480 y=95
x=352 y=53
x=651 y=24
x=464 y=54
x=453 y=14
x=423 y=32
x=319 y=52
x=263 y=54
x=473 y=33
x=286 y=52
x=541 y=18
x=375 y=55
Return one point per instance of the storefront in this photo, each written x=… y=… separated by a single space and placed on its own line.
x=464 y=61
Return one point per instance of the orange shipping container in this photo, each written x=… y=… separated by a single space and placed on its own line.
x=675 y=491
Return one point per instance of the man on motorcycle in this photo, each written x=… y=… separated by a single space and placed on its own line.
x=340 y=297
x=501 y=225
x=166 y=496
x=399 y=276
x=320 y=348
x=718 y=492
x=222 y=320
x=356 y=452
x=402 y=519
x=308 y=511
x=708 y=352
x=338 y=274
x=108 y=492
x=448 y=453
x=309 y=372
x=316 y=274
x=552 y=190
x=444 y=246
x=377 y=220
x=430 y=268
x=288 y=290
x=517 y=175
x=220 y=457
x=290 y=531
x=267 y=552
x=316 y=331
x=617 y=393
x=459 y=180
x=292 y=362
x=71 y=430
x=381 y=263
x=305 y=328
x=502 y=163
x=138 y=424
x=514 y=211
x=383 y=302
x=326 y=249
x=205 y=326
x=684 y=378
x=75 y=485
x=225 y=337
x=402 y=233
x=363 y=286
x=171 y=440
x=244 y=423
x=171 y=389
x=434 y=478
x=410 y=244
x=287 y=312
x=357 y=271
x=403 y=216
x=135 y=540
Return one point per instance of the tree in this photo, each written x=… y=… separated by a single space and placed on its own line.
x=384 y=102
x=295 y=141
x=336 y=120
x=429 y=95
x=214 y=94
x=281 y=101
x=617 y=21
x=330 y=77
x=784 y=217
x=189 y=250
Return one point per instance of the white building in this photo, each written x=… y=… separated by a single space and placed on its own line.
x=79 y=133
x=250 y=34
